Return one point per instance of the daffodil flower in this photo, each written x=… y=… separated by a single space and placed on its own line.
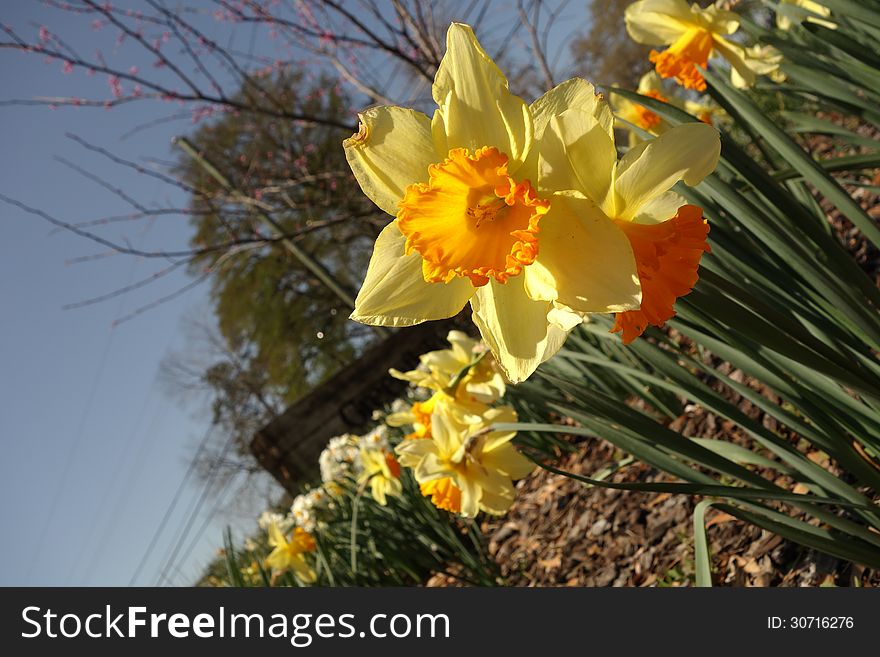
x=467 y=470
x=464 y=365
x=709 y=114
x=419 y=415
x=650 y=84
x=799 y=10
x=288 y=555
x=382 y=473
x=468 y=218
x=632 y=113
x=693 y=35
x=629 y=203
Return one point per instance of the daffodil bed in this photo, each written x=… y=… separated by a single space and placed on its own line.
x=617 y=285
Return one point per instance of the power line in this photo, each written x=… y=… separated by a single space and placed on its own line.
x=77 y=441
x=131 y=477
x=209 y=483
x=221 y=498
x=171 y=506
x=69 y=458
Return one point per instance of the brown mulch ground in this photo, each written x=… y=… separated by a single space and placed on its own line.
x=562 y=533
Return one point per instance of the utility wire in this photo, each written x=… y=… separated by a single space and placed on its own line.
x=218 y=504
x=73 y=448
x=171 y=506
x=121 y=500
x=209 y=483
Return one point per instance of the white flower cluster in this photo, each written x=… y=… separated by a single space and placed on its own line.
x=397 y=406
x=376 y=439
x=339 y=462
x=307 y=508
x=268 y=517
x=341 y=458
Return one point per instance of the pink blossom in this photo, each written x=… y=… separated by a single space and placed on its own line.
x=115 y=86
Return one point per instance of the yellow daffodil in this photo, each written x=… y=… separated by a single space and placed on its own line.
x=288 y=555
x=812 y=12
x=465 y=471
x=629 y=203
x=382 y=473
x=711 y=114
x=650 y=85
x=761 y=60
x=468 y=218
x=419 y=415
x=693 y=35
x=465 y=365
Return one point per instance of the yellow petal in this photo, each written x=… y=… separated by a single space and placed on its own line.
x=562 y=321
x=410 y=452
x=462 y=345
x=443 y=361
x=513 y=325
x=446 y=433
x=687 y=152
x=415 y=377
x=392 y=150
x=741 y=74
x=575 y=93
x=475 y=107
x=585 y=261
x=399 y=419
x=470 y=496
x=394 y=292
x=431 y=468
x=660 y=208
x=377 y=490
x=276 y=538
x=497 y=504
x=650 y=81
x=499 y=415
x=303 y=571
x=719 y=21
x=746 y=64
x=507 y=460
x=657 y=22
x=278 y=559
x=577 y=152
x=802 y=10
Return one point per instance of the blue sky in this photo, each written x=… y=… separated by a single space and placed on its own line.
x=94 y=446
